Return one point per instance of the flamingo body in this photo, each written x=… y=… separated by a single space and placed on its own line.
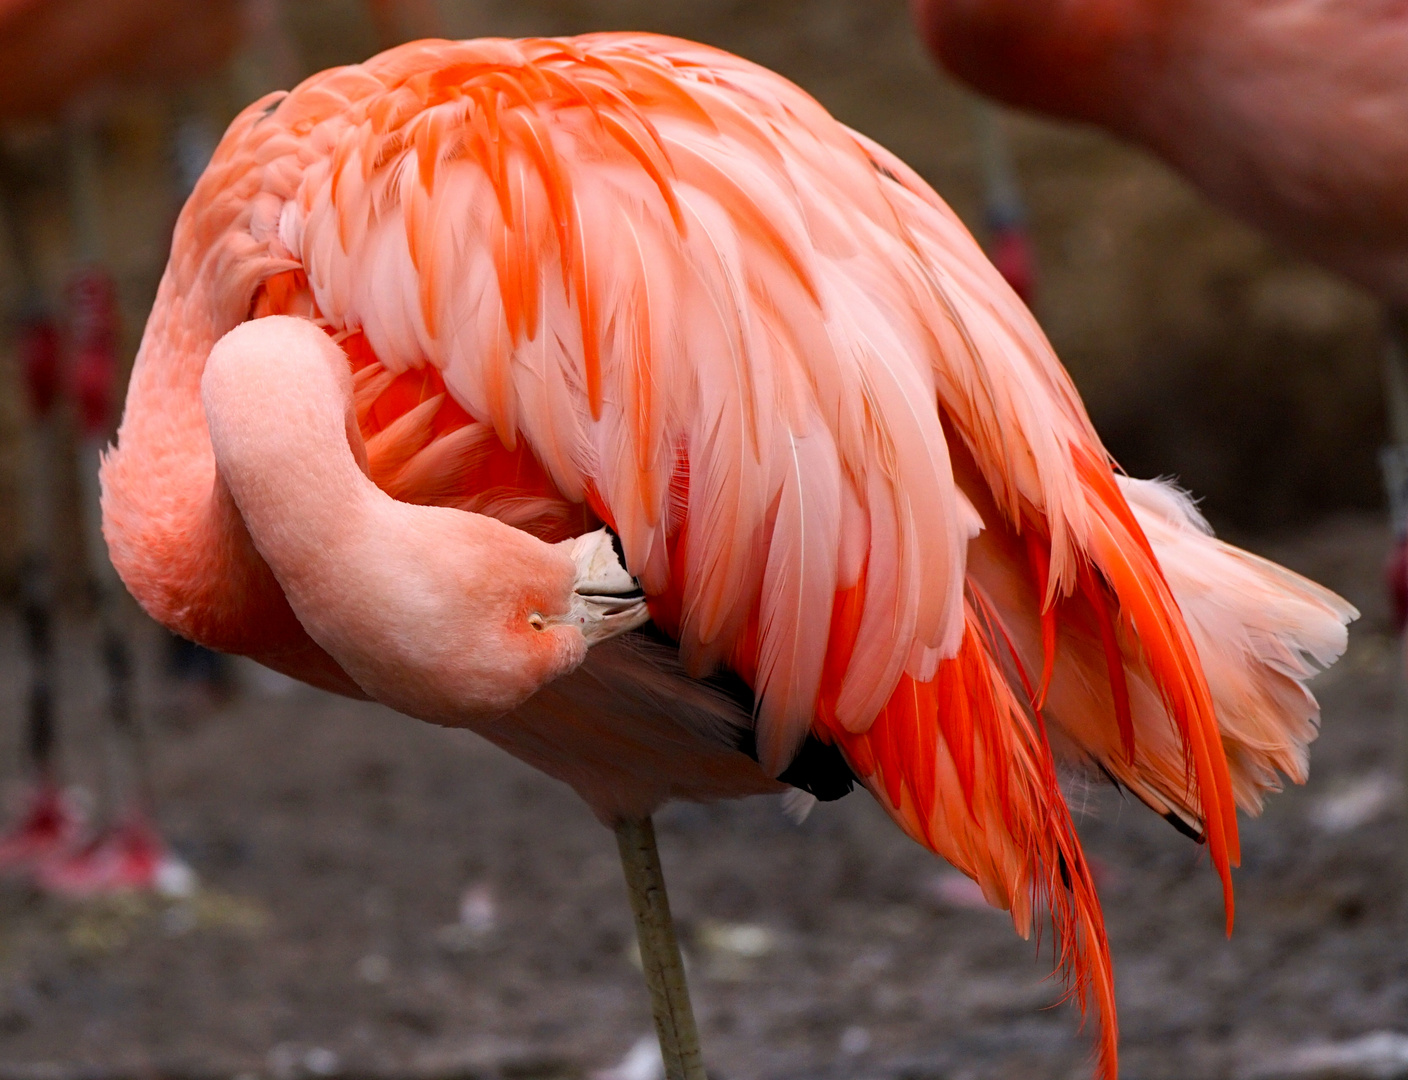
x=1292 y=114
x=630 y=280
x=53 y=50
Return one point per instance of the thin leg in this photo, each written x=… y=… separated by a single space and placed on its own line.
x=659 y=951
x=1394 y=459
x=37 y=345
x=35 y=604
x=94 y=317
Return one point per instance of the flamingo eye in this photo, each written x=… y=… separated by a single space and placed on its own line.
x=537 y=622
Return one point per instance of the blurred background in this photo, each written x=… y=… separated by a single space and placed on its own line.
x=348 y=893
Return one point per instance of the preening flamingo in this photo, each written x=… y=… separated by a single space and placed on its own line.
x=458 y=347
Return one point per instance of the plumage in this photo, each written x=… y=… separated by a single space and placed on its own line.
x=631 y=280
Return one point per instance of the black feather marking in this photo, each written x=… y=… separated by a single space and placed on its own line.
x=1186 y=829
x=617 y=546
x=886 y=173
x=819 y=768
x=271 y=108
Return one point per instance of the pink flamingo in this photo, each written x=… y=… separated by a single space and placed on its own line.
x=53 y=53
x=471 y=359
x=1291 y=114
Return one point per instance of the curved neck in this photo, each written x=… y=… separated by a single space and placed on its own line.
x=278 y=400
x=173 y=532
x=443 y=614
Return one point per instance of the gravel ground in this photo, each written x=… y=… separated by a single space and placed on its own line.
x=380 y=897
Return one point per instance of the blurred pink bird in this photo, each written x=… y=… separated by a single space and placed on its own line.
x=430 y=323
x=53 y=53
x=1293 y=114
x=52 y=50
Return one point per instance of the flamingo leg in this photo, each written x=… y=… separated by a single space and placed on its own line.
x=95 y=341
x=660 y=951
x=1394 y=460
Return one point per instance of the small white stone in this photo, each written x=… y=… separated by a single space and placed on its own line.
x=855 y=1040
x=175 y=880
x=373 y=968
x=478 y=912
x=642 y=1062
x=320 y=1061
x=1354 y=804
x=1379 y=1055
x=747 y=940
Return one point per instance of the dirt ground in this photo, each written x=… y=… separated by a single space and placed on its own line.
x=383 y=898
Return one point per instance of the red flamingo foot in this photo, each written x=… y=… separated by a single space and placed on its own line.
x=48 y=829
x=127 y=857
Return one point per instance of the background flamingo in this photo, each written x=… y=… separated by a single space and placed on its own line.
x=1291 y=114
x=628 y=281
x=52 y=51
x=1008 y=241
x=56 y=58
x=64 y=59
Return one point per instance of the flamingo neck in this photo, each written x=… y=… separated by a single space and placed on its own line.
x=174 y=534
x=449 y=616
x=280 y=413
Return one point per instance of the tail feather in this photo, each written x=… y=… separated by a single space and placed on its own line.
x=1255 y=631
x=1148 y=609
x=1261 y=632
x=1174 y=662
x=963 y=766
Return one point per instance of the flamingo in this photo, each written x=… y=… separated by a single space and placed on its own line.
x=53 y=54
x=1009 y=244
x=1289 y=113
x=605 y=396
x=52 y=51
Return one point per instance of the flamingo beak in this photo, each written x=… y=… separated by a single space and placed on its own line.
x=606 y=600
